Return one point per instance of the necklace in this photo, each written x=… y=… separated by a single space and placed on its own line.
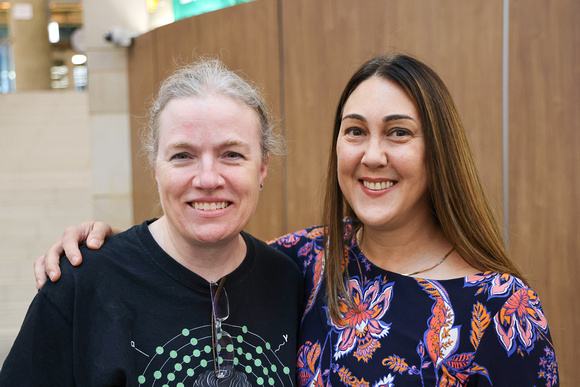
x=432 y=267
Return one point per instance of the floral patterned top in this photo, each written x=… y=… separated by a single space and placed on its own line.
x=483 y=330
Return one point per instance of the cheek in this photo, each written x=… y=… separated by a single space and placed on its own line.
x=344 y=158
x=172 y=181
x=244 y=181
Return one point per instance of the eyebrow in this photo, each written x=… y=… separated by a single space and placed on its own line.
x=389 y=118
x=185 y=144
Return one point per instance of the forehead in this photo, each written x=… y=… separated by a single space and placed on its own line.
x=211 y=117
x=382 y=97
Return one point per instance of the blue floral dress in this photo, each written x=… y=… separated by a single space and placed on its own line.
x=483 y=330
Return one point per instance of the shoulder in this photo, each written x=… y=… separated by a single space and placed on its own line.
x=266 y=254
x=518 y=330
x=509 y=300
x=299 y=238
x=126 y=244
x=495 y=285
x=118 y=251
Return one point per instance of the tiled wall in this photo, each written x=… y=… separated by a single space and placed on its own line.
x=45 y=185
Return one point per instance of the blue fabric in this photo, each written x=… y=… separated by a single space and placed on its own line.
x=484 y=330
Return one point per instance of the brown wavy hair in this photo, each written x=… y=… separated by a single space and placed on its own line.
x=457 y=200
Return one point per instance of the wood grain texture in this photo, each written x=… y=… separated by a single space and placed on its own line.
x=142 y=83
x=324 y=43
x=544 y=174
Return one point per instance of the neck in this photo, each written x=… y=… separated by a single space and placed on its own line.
x=407 y=249
x=211 y=261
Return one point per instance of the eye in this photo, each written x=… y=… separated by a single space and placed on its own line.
x=400 y=132
x=179 y=156
x=234 y=155
x=354 y=132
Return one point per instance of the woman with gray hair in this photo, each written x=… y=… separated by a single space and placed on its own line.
x=176 y=300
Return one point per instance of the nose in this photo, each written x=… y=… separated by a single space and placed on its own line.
x=208 y=176
x=375 y=155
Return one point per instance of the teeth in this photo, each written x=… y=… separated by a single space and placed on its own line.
x=378 y=186
x=209 y=206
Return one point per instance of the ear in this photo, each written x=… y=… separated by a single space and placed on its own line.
x=155 y=173
x=264 y=169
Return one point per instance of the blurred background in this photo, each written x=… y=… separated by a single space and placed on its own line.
x=76 y=77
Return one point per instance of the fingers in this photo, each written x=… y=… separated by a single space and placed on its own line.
x=71 y=238
x=97 y=232
x=47 y=264
x=52 y=260
x=39 y=272
x=91 y=233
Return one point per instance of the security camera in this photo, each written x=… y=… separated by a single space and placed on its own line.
x=120 y=37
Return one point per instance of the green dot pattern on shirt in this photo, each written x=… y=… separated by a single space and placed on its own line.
x=251 y=356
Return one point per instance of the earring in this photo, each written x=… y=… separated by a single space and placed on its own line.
x=261 y=186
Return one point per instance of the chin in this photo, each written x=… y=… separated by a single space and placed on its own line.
x=212 y=234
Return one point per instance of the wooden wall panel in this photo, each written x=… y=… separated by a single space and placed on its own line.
x=544 y=174
x=324 y=43
x=142 y=82
x=233 y=35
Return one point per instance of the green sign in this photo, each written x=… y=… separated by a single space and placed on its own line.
x=187 y=8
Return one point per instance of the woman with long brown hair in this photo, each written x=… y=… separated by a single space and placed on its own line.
x=408 y=282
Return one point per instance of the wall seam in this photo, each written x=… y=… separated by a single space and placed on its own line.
x=505 y=120
x=281 y=70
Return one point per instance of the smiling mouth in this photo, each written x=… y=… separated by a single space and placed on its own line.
x=379 y=185
x=205 y=206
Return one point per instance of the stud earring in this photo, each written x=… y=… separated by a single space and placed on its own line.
x=261 y=186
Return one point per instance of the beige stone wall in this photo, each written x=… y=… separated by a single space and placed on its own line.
x=45 y=185
x=109 y=105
